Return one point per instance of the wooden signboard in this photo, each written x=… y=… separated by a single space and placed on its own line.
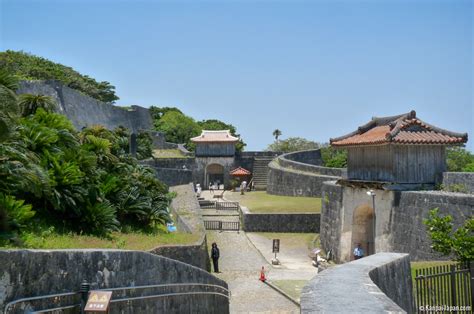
x=98 y=301
x=276 y=245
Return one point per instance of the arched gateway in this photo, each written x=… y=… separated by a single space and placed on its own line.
x=363 y=226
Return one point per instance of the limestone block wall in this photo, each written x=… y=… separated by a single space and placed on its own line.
x=331 y=218
x=408 y=231
x=463 y=180
x=84 y=111
x=187 y=215
x=398 y=219
x=300 y=174
x=29 y=273
x=296 y=222
x=380 y=283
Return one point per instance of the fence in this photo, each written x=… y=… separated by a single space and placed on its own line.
x=219 y=205
x=74 y=302
x=446 y=288
x=222 y=225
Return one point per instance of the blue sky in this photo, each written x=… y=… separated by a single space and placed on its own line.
x=315 y=69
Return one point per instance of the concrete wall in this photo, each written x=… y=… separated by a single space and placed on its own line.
x=303 y=222
x=28 y=273
x=379 y=283
x=463 y=180
x=398 y=219
x=84 y=111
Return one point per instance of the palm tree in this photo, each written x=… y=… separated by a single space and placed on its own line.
x=30 y=103
x=8 y=103
x=277 y=133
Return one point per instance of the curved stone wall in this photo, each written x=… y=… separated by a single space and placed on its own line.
x=379 y=283
x=30 y=273
x=299 y=174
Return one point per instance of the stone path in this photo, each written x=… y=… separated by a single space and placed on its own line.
x=240 y=265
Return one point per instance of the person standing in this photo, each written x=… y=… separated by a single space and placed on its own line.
x=358 y=252
x=215 y=257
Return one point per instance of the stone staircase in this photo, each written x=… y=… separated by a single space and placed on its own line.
x=260 y=172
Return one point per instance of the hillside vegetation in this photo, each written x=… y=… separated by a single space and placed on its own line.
x=25 y=66
x=53 y=177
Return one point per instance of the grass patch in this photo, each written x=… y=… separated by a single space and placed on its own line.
x=291 y=287
x=424 y=264
x=134 y=240
x=293 y=240
x=168 y=153
x=261 y=202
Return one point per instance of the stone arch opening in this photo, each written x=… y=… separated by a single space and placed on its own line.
x=363 y=229
x=214 y=174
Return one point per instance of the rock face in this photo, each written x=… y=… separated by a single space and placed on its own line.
x=84 y=111
x=380 y=283
x=28 y=273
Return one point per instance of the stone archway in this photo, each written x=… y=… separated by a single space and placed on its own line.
x=214 y=173
x=363 y=229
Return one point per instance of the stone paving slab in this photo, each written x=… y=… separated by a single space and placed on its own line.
x=240 y=265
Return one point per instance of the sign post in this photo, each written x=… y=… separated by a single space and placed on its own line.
x=98 y=301
x=276 y=249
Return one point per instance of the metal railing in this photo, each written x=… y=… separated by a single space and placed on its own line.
x=444 y=288
x=222 y=205
x=38 y=304
x=222 y=225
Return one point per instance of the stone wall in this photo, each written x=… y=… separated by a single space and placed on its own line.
x=331 y=218
x=380 y=283
x=297 y=222
x=312 y=157
x=84 y=111
x=29 y=273
x=459 y=180
x=408 y=231
x=187 y=215
x=398 y=223
x=172 y=177
x=292 y=182
x=299 y=174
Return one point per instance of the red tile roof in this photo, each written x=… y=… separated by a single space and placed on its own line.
x=240 y=172
x=215 y=136
x=401 y=129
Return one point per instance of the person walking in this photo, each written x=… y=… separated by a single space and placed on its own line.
x=358 y=252
x=215 y=257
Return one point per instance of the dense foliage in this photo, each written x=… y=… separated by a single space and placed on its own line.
x=180 y=128
x=334 y=158
x=459 y=159
x=81 y=181
x=29 y=67
x=459 y=242
x=292 y=144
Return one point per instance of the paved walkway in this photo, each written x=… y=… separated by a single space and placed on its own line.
x=242 y=257
x=240 y=265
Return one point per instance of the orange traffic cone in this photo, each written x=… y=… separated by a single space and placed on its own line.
x=262 y=275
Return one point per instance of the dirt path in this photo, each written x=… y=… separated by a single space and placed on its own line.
x=240 y=265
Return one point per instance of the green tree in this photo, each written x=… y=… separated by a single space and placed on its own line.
x=276 y=133
x=292 y=144
x=216 y=125
x=446 y=240
x=459 y=159
x=333 y=158
x=177 y=127
x=26 y=66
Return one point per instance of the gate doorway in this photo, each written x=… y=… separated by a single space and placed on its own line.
x=214 y=175
x=363 y=229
